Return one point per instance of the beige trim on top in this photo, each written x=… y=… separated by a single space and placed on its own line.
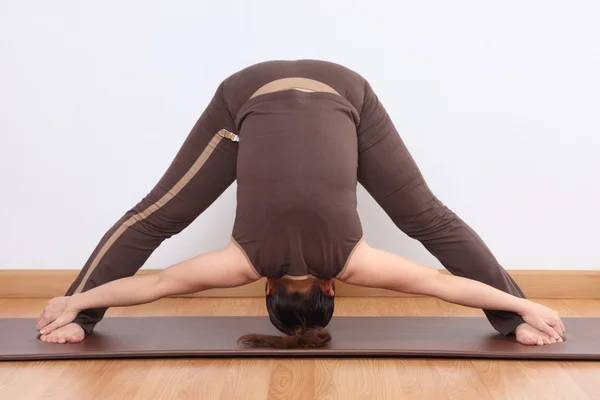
x=341 y=273
x=208 y=150
x=304 y=84
x=258 y=276
x=298 y=277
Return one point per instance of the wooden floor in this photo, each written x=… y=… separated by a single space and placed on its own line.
x=301 y=378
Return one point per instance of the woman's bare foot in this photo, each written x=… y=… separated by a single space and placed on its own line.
x=528 y=335
x=70 y=333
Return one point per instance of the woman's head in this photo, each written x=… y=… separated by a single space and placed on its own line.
x=301 y=309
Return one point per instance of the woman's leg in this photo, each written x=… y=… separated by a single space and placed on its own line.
x=388 y=172
x=203 y=168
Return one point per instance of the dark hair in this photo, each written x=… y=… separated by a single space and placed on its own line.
x=302 y=317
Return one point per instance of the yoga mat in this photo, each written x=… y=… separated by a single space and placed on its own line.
x=450 y=337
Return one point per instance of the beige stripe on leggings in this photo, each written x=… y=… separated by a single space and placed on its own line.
x=154 y=207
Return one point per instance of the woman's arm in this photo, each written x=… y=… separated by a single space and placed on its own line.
x=376 y=268
x=219 y=269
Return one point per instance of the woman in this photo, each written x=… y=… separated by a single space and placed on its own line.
x=302 y=134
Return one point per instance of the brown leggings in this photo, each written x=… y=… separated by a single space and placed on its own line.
x=206 y=165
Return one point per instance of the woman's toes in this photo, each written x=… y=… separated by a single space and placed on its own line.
x=74 y=339
x=530 y=339
x=546 y=340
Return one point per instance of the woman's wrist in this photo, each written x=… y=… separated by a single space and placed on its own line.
x=523 y=306
x=74 y=303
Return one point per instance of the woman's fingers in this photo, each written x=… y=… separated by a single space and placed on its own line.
x=48 y=329
x=44 y=319
x=541 y=325
x=551 y=332
x=557 y=325
x=62 y=320
x=39 y=323
x=53 y=310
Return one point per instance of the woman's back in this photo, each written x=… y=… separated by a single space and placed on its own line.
x=297 y=176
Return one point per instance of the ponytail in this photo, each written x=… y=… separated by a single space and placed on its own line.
x=309 y=338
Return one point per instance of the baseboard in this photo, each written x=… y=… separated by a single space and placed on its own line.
x=535 y=284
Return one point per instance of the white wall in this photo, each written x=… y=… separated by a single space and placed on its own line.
x=498 y=102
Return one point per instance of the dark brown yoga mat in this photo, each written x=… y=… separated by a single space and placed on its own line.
x=352 y=336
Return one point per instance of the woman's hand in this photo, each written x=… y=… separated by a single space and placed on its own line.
x=58 y=312
x=544 y=319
